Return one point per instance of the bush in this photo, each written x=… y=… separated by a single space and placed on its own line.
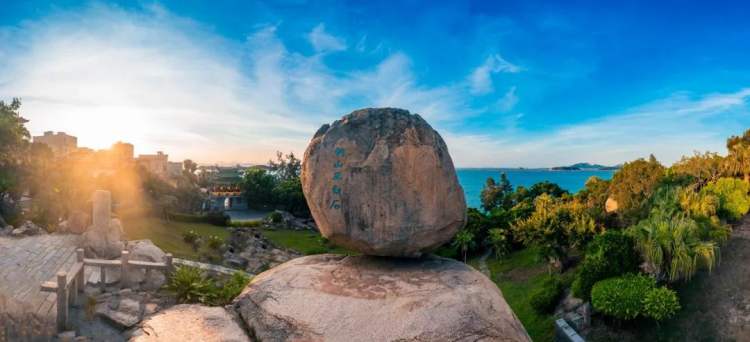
x=190 y=237
x=733 y=199
x=215 y=242
x=544 y=299
x=216 y=218
x=275 y=217
x=189 y=285
x=610 y=254
x=621 y=297
x=661 y=303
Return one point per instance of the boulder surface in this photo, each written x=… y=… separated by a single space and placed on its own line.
x=364 y=298
x=381 y=182
x=190 y=322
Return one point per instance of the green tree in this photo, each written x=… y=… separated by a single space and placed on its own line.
x=632 y=187
x=499 y=240
x=288 y=194
x=703 y=168
x=496 y=194
x=14 y=143
x=672 y=244
x=258 y=187
x=732 y=195
x=463 y=241
x=737 y=163
x=285 y=167
x=594 y=196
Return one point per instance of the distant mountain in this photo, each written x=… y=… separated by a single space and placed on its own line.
x=585 y=166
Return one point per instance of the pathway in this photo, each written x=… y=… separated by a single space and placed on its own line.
x=24 y=264
x=483 y=264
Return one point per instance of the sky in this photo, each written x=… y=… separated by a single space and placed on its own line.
x=505 y=83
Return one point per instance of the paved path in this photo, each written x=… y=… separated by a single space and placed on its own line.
x=24 y=264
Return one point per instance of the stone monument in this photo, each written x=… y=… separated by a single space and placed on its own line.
x=104 y=239
x=380 y=182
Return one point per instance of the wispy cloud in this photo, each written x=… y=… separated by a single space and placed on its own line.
x=509 y=100
x=322 y=41
x=481 y=78
x=669 y=128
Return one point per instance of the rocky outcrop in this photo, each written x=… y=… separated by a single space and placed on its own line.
x=105 y=238
x=249 y=250
x=28 y=228
x=76 y=223
x=360 y=298
x=288 y=221
x=190 y=323
x=145 y=250
x=381 y=181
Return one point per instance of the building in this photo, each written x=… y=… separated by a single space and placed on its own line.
x=122 y=152
x=155 y=163
x=174 y=169
x=60 y=143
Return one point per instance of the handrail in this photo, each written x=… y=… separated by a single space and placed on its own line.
x=74 y=279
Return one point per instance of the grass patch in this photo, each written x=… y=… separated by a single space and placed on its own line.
x=167 y=235
x=303 y=241
x=518 y=275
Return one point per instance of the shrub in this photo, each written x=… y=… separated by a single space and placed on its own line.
x=275 y=217
x=189 y=285
x=500 y=241
x=621 y=297
x=544 y=298
x=660 y=303
x=216 y=218
x=225 y=293
x=215 y=242
x=610 y=254
x=733 y=199
x=190 y=237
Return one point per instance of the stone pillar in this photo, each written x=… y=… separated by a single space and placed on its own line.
x=102 y=203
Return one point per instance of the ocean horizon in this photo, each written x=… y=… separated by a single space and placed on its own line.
x=473 y=179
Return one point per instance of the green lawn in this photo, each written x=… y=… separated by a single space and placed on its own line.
x=517 y=275
x=304 y=241
x=168 y=235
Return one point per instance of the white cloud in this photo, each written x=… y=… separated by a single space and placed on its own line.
x=508 y=101
x=322 y=41
x=481 y=78
x=669 y=128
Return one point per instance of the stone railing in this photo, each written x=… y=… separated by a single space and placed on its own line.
x=68 y=284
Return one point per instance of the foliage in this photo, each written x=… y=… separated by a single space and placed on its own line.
x=546 y=187
x=555 y=226
x=660 y=303
x=496 y=195
x=671 y=243
x=190 y=236
x=499 y=240
x=189 y=285
x=275 y=217
x=215 y=242
x=732 y=194
x=288 y=195
x=621 y=297
x=633 y=185
x=14 y=141
x=608 y=255
x=223 y=293
x=258 y=186
x=594 y=196
x=464 y=240
x=286 y=167
x=544 y=298
x=216 y=218
x=737 y=162
x=703 y=168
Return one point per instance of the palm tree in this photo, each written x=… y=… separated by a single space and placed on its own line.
x=670 y=241
x=464 y=240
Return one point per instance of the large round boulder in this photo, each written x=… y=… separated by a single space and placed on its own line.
x=190 y=322
x=381 y=182
x=365 y=298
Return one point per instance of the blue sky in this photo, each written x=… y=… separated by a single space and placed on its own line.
x=506 y=83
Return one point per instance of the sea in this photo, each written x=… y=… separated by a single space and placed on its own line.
x=472 y=180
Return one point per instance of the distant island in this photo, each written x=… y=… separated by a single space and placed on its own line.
x=585 y=167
